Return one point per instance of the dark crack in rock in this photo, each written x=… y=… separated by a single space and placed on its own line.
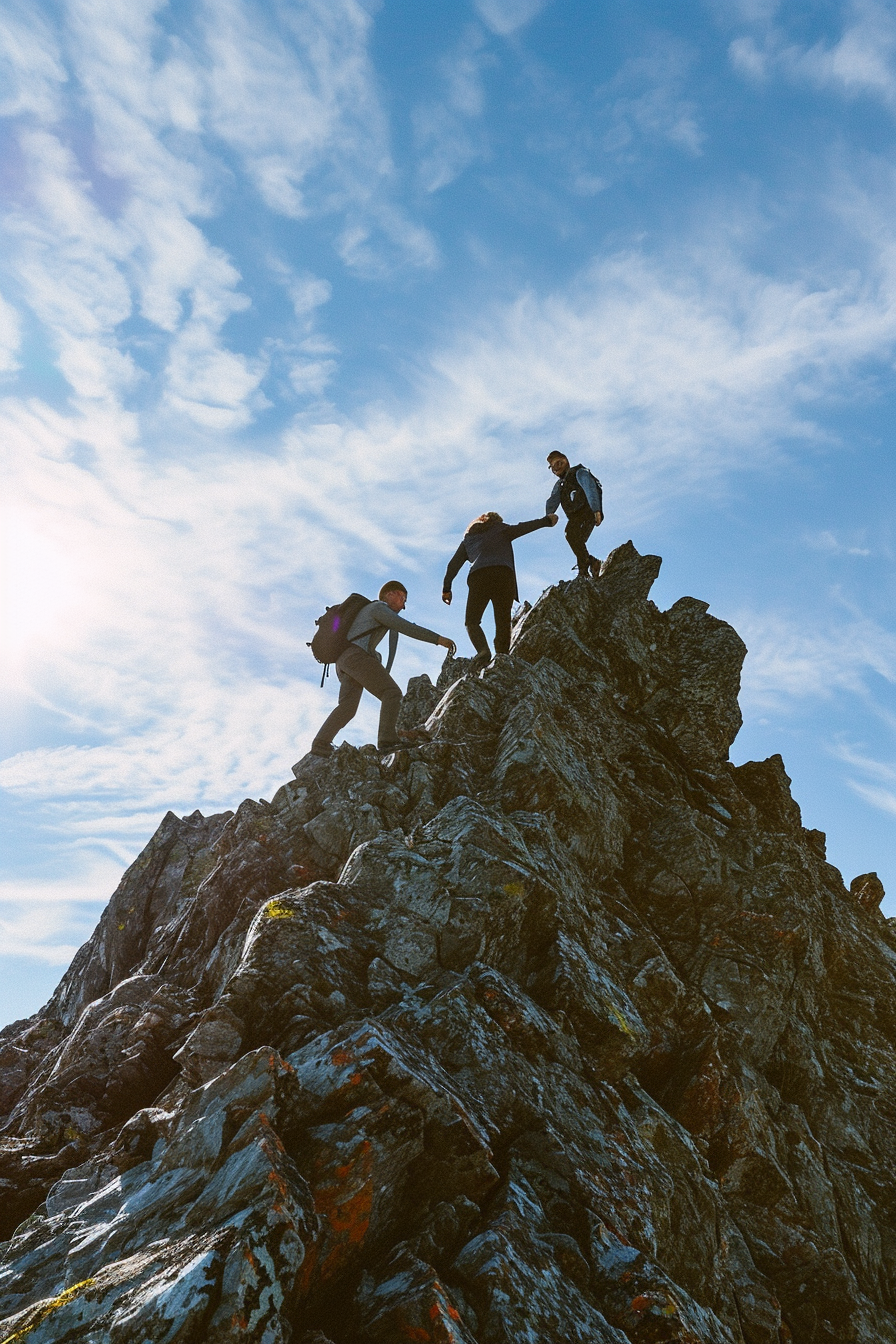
x=555 y=1028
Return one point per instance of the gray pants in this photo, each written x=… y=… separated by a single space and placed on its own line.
x=359 y=671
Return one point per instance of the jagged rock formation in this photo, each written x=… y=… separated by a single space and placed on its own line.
x=557 y=1029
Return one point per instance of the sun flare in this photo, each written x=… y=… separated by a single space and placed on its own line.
x=40 y=587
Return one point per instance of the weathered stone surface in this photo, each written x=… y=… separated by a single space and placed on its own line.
x=867 y=890
x=557 y=1027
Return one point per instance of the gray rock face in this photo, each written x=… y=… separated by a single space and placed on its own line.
x=556 y=1029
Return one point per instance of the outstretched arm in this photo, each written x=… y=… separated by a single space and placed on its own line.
x=392 y=621
x=520 y=529
x=553 y=498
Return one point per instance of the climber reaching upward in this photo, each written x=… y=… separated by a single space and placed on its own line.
x=360 y=668
x=488 y=546
x=580 y=496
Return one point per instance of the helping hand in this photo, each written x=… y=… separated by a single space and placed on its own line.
x=448 y=644
x=446 y=597
x=598 y=519
x=553 y=518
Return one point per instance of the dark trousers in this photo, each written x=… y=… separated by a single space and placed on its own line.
x=359 y=671
x=495 y=584
x=578 y=530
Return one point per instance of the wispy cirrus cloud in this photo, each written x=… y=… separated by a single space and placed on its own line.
x=860 y=62
x=46 y=921
x=646 y=104
x=792 y=659
x=872 y=780
x=830 y=543
x=508 y=16
x=10 y=337
x=132 y=133
x=448 y=129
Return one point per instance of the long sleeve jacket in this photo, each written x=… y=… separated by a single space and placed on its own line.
x=492 y=546
x=372 y=622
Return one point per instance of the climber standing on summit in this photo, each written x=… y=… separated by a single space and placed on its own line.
x=360 y=668
x=488 y=545
x=579 y=494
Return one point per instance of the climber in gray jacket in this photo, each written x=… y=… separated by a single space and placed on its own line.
x=580 y=496
x=488 y=545
x=360 y=668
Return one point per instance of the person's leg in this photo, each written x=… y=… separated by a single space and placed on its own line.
x=369 y=672
x=503 y=591
x=578 y=530
x=346 y=709
x=477 y=600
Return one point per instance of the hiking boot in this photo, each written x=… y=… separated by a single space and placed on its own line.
x=594 y=567
x=322 y=749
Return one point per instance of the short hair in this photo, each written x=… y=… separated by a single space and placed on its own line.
x=393 y=586
x=484 y=521
x=555 y=452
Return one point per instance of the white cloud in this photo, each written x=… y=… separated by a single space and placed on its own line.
x=861 y=62
x=447 y=130
x=296 y=97
x=31 y=68
x=45 y=920
x=508 y=16
x=830 y=544
x=110 y=222
x=645 y=104
x=883 y=799
x=879 y=785
x=792 y=660
x=10 y=337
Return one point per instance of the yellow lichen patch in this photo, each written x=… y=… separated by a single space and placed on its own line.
x=279 y=910
x=514 y=889
x=121 y=926
x=623 y=1025
x=45 y=1309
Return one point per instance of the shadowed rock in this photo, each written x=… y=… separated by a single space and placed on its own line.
x=558 y=1027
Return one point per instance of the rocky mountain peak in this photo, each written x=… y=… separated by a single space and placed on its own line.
x=556 y=1028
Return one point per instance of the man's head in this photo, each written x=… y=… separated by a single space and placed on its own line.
x=558 y=463
x=394 y=594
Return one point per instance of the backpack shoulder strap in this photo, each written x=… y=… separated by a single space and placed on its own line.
x=393 y=646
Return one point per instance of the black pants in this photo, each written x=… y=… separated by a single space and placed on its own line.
x=578 y=530
x=495 y=584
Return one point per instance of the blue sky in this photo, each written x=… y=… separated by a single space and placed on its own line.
x=292 y=291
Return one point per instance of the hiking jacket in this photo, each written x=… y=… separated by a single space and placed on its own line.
x=492 y=546
x=578 y=489
x=372 y=622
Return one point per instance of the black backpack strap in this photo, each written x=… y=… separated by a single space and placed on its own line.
x=393 y=646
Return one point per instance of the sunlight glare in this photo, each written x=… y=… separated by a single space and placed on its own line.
x=39 y=588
